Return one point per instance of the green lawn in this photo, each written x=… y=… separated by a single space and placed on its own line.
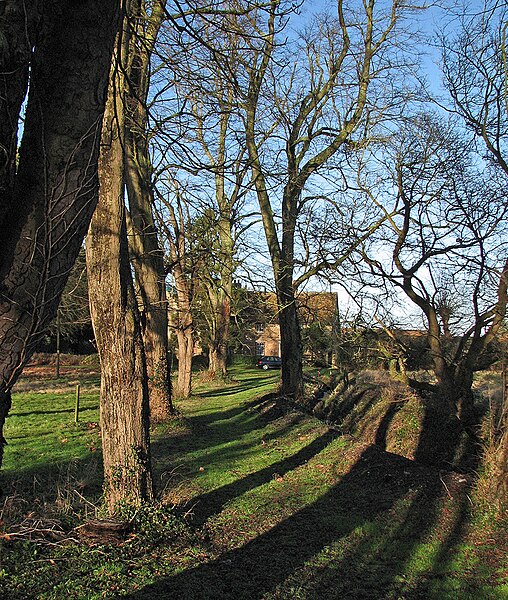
x=255 y=501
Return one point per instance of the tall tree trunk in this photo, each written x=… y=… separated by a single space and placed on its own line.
x=124 y=407
x=291 y=346
x=185 y=337
x=218 y=351
x=47 y=205
x=185 y=353
x=147 y=254
x=178 y=240
x=281 y=254
x=282 y=263
x=149 y=269
x=220 y=291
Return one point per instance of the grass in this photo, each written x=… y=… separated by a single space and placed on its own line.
x=256 y=500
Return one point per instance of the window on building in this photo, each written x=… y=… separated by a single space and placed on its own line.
x=259 y=327
x=260 y=349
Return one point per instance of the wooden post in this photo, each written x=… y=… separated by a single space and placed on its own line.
x=58 y=343
x=76 y=406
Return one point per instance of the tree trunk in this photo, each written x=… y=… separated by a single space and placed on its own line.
x=282 y=256
x=185 y=354
x=291 y=347
x=177 y=239
x=124 y=409
x=218 y=351
x=184 y=334
x=455 y=389
x=149 y=268
x=222 y=291
x=47 y=205
x=147 y=254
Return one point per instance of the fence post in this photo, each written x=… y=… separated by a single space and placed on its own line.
x=76 y=405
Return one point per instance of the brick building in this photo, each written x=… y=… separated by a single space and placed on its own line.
x=318 y=312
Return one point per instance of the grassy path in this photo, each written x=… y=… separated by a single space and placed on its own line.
x=276 y=506
x=290 y=510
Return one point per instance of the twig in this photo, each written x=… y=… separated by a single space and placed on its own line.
x=445 y=486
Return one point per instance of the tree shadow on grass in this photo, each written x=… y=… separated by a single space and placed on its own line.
x=389 y=560
x=242 y=386
x=47 y=412
x=212 y=503
x=224 y=441
x=218 y=427
x=263 y=565
x=45 y=483
x=361 y=539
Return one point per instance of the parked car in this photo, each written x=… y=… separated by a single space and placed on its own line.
x=269 y=362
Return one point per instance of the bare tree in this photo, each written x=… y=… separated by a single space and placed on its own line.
x=229 y=174
x=326 y=107
x=445 y=225
x=175 y=223
x=475 y=69
x=48 y=197
x=208 y=158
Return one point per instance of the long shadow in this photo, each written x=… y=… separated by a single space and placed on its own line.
x=196 y=439
x=267 y=561
x=380 y=565
x=447 y=550
x=384 y=425
x=213 y=502
x=49 y=412
x=443 y=442
x=213 y=428
x=230 y=391
x=217 y=444
x=208 y=418
x=463 y=456
x=378 y=483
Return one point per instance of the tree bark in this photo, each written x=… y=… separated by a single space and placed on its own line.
x=124 y=408
x=150 y=277
x=48 y=203
x=184 y=333
x=185 y=353
x=290 y=344
x=146 y=252
x=220 y=292
x=218 y=351
x=177 y=237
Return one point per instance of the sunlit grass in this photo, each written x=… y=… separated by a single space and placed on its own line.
x=41 y=430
